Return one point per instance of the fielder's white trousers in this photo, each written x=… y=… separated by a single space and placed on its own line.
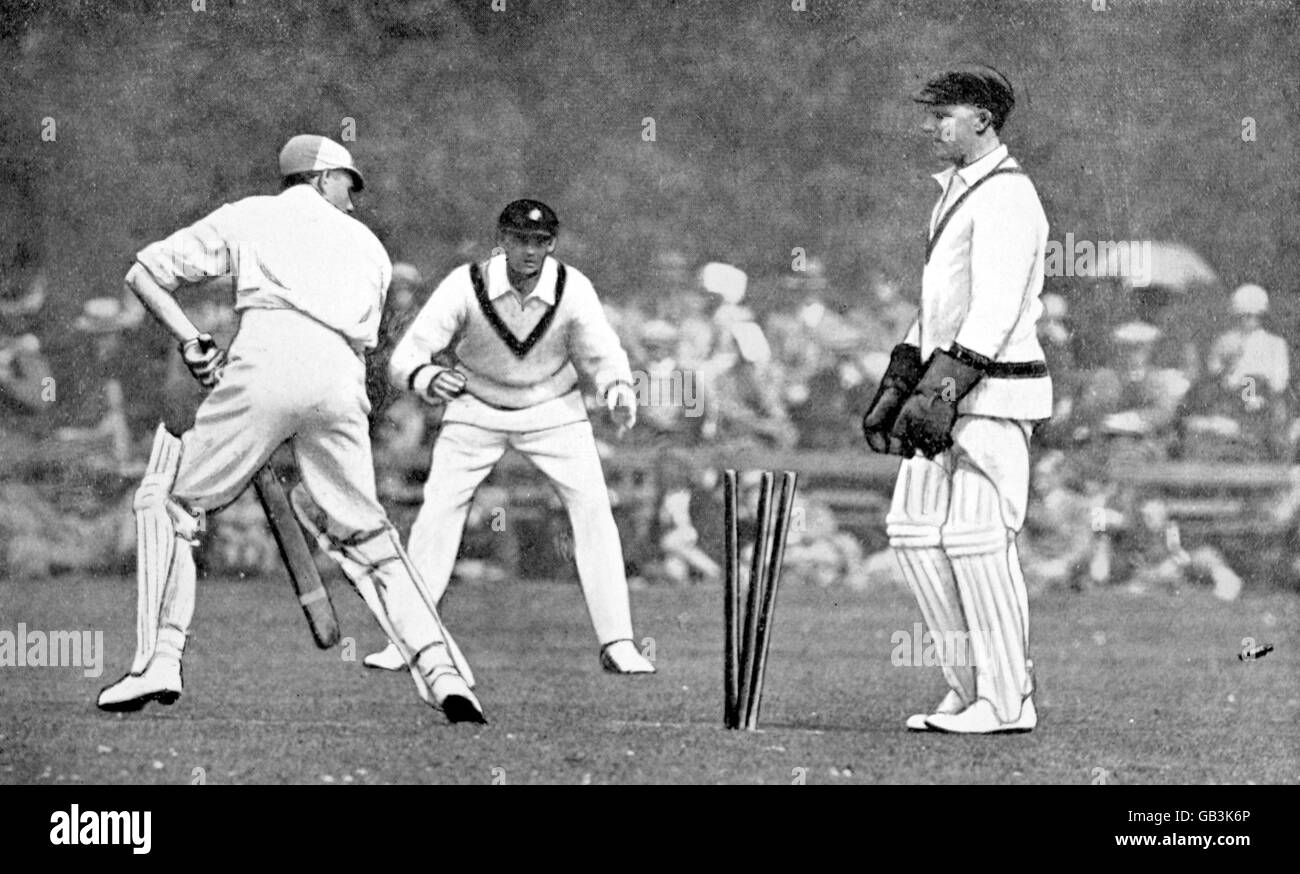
x=465 y=454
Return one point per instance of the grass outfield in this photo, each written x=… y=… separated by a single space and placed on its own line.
x=1132 y=689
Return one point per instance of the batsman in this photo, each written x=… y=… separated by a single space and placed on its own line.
x=310 y=283
x=958 y=402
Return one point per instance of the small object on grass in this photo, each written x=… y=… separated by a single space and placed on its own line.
x=1250 y=653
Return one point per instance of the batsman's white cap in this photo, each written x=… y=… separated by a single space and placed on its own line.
x=727 y=282
x=308 y=153
x=1250 y=300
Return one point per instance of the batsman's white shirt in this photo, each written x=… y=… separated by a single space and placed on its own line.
x=981 y=284
x=291 y=251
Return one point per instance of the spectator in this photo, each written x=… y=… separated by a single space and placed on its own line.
x=1059 y=545
x=400 y=422
x=887 y=318
x=1132 y=410
x=667 y=393
x=1238 y=410
x=742 y=404
x=1057 y=339
x=103 y=320
x=1144 y=551
x=25 y=386
x=797 y=328
x=1248 y=352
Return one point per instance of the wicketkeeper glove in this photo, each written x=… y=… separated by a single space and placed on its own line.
x=925 y=422
x=204 y=358
x=900 y=378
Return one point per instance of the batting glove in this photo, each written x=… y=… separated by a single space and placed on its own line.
x=204 y=358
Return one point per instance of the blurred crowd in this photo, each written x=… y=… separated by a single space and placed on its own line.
x=710 y=370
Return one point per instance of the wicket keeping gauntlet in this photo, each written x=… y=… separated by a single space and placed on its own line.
x=925 y=422
x=900 y=378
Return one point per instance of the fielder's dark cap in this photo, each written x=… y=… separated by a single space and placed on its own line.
x=974 y=85
x=529 y=216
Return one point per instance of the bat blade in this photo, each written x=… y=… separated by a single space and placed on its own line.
x=295 y=552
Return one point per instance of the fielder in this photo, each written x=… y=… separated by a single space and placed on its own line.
x=523 y=327
x=958 y=402
x=310 y=287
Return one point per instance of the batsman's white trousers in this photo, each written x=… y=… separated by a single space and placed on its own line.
x=953 y=524
x=288 y=377
x=465 y=454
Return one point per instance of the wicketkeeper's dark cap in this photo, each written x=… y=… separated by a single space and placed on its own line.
x=974 y=85
x=529 y=217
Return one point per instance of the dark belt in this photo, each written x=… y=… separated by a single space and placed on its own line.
x=998 y=369
x=1017 y=369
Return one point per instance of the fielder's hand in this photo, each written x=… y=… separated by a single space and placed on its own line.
x=620 y=400
x=204 y=358
x=447 y=385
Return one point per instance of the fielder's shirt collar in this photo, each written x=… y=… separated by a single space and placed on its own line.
x=972 y=173
x=498 y=282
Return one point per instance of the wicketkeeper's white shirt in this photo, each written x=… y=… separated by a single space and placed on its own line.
x=981 y=285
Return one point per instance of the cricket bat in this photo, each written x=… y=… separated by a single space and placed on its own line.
x=297 y=557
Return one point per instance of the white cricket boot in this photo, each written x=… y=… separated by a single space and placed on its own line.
x=160 y=681
x=621 y=657
x=981 y=718
x=447 y=690
x=951 y=704
x=387 y=659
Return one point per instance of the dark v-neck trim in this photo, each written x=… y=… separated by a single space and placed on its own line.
x=521 y=348
x=999 y=170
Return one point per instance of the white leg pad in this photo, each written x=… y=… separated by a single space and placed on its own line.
x=165 y=577
x=379 y=569
x=914 y=526
x=986 y=566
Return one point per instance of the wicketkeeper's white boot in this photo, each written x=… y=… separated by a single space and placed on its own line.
x=387 y=659
x=622 y=657
x=161 y=682
x=950 y=704
x=981 y=718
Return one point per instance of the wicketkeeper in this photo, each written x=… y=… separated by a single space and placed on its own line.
x=311 y=282
x=958 y=402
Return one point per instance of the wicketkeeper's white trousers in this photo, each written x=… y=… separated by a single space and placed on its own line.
x=953 y=526
x=465 y=454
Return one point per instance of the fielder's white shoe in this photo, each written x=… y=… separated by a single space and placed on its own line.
x=950 y=704
x=448 y=691
x=387 y=659
x=622 y=657
x=161 y=682
x=981 y=718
